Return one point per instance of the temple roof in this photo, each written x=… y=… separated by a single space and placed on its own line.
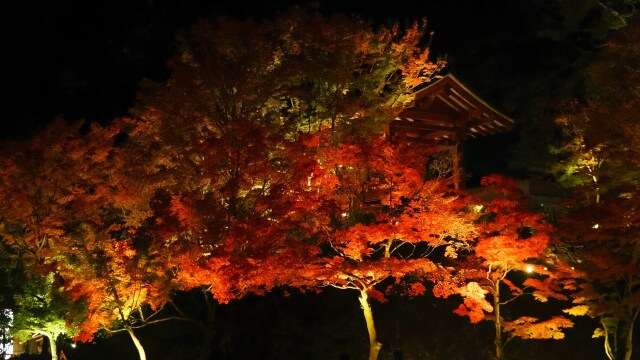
x=447 y=111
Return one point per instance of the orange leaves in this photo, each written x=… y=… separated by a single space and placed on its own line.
x=510 y=239
x=515 y=290
x=418 y=68
x=509 y=234
x=578 y=310
x=475 y=292
x=545 y=289
x=376 y=294
x=355 y=242
x=527 y=327
x=475 y=303
x=508 y=251
x=450 y=252
x=416 y=289
x=310 y=140
x=470 y=309
x=193 y=273
x=182 y=210
x=443 y=289
x=125 y=249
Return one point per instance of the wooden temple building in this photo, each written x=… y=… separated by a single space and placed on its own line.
x=444 y=114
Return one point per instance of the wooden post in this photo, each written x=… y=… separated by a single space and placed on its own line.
x=456 y=149
x=456 y=166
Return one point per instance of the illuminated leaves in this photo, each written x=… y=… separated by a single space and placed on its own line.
x=444 y=289
x=182 y=211
x=416 y=289
x=475 y=303
x=419 y=69
x=376 y=294
x=509 y=235
x=509 y=239
x=546 y=288
x=515 y=290
x=598 y=332
x=532 y=328
x=578 y=310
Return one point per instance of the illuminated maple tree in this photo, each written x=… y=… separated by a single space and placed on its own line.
x=235 y=139
x=382 y=221
x=510 y=239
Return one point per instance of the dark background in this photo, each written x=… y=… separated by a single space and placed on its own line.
x=85 y=59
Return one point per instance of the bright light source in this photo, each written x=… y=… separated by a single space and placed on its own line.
x=595 y=226
x=73 y=345
x=478 y=208
x=529 y=269
x=572 y=268
x=344 y=214
x=546 y=268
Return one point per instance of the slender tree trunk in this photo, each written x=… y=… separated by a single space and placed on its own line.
x=457 y=173
x=607 y=347
x=53 y=348
x=374 y=345
x=208 y=328
x=387 y=248
x=498 y=321
x=609 y=350
x=137 y=343
x=628 y=343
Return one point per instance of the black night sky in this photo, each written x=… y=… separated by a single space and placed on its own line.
x=84 y=60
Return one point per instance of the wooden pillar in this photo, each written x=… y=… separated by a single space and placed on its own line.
x=456 y=155
x=456 y=149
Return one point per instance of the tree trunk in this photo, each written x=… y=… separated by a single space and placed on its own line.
x=457 y=173
x=374 y=345
x=628 y=344
x=387 y=248
x=137 y=343
x=498 y=321
x=628 y=341
x=609 y=350
x=208 y=328
x=53 y=349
